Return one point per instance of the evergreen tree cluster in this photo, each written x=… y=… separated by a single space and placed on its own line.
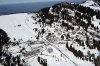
x=69 y=27
x=3 y=38
x=60 y=11
x=74 y=51
x=7 y=59
x=80 y=42
x=80 y=55
x=96 y=44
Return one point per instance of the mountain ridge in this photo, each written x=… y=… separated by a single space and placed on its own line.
x=63 y=32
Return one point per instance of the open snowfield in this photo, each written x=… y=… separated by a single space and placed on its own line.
x=10 y=24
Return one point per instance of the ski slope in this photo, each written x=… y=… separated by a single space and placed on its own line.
x=10 y=23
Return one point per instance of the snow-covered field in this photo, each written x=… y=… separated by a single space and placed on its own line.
x=16 y=27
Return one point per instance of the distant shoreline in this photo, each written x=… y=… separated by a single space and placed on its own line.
x=25 y=7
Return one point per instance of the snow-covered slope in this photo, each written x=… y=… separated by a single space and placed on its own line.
x=63 y=35
x=91 y=4
x=16 y=26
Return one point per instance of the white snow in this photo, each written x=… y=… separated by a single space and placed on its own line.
x=20 y=26
x=9 y=23
x=91 y=4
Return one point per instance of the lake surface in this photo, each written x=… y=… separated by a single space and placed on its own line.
x=28 y=7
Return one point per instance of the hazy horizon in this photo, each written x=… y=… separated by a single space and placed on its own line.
x=27 y=6
x=4 y=2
